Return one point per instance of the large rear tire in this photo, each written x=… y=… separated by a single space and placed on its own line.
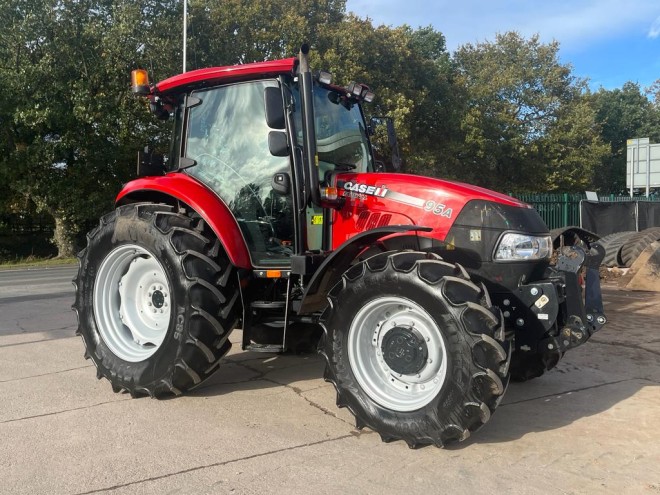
x=414 y=349
x=156 y=298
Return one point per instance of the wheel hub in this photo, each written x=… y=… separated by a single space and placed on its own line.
x=404 y=350
x=158 y=299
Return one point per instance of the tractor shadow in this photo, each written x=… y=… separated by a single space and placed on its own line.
x=612 y=373
x=244 y=370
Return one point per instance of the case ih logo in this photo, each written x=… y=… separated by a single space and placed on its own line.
x=356 y=187
x=358 y=190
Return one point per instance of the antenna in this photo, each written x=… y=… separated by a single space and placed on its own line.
x=185 y=31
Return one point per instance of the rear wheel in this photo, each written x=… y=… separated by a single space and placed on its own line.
x=156 y=300
x=414 y=349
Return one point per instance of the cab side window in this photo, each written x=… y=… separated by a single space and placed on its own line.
x=227 y=136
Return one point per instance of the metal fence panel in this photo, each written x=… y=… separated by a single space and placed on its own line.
x=563 y=209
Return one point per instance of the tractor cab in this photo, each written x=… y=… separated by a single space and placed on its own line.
x=243 y=136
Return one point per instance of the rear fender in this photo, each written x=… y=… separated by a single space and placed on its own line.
x=180 y=187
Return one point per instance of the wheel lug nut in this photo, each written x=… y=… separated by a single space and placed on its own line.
x=155 y=310
x=148 y=304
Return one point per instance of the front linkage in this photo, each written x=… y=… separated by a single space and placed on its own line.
x=553 y=315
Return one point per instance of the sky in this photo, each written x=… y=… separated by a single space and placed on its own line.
x=608 y=42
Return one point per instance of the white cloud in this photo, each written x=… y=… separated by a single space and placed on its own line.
x=574 y=23
x=654 y=31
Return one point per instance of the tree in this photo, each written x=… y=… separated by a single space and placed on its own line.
x=410 y=73
x=622 y=114
x=525 y=125
x=228 y=32
x=70 y=129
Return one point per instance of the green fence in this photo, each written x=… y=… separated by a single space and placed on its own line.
x=562 y=210
x=557 y=210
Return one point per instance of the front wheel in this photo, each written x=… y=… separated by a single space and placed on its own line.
x=414 y=349
x=156 y=298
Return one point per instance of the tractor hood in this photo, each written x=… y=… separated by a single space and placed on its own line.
x=379 y=199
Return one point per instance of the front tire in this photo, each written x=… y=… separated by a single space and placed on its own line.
x=414 y=349
x=156 y=298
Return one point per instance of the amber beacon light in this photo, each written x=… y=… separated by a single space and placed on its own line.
x=140 y=82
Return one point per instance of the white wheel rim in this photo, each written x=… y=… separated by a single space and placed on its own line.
x=132 y=302
x=385 y=386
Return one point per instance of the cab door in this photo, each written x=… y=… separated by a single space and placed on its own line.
x=227 y=137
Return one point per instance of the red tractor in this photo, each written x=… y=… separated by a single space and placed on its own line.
x=271 y=214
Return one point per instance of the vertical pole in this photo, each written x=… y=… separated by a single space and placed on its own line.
x=632 y=172
x=648 y=169
x=580 y=211
x=185 y=32
x=565 y=210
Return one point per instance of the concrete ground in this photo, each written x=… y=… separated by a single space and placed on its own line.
x=269 y=424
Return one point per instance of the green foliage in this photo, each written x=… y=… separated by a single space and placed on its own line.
x=71 y=128
x=623 y=114
x=526 y=122
x=228 y=32
x=410 y=72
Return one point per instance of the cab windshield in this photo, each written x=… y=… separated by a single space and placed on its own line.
x=341 y=136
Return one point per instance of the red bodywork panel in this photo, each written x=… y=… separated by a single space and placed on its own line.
x=217 y=75
x=204 y=202
x=376 y=200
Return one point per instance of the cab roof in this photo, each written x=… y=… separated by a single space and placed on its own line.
x=232 y=73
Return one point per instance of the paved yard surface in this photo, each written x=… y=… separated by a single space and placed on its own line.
x=269 y=424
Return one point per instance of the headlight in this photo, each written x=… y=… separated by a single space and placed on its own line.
x=523 y=247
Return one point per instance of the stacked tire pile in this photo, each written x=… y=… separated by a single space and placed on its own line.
x=623 y=248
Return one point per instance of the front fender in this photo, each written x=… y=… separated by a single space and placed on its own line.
x=332 y=269
x=212 y=209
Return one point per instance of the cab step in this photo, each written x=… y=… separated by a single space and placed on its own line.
x=272 y=348
x=268 y=304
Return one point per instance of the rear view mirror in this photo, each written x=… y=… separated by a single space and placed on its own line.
x=274 y=108
x=278 y=144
